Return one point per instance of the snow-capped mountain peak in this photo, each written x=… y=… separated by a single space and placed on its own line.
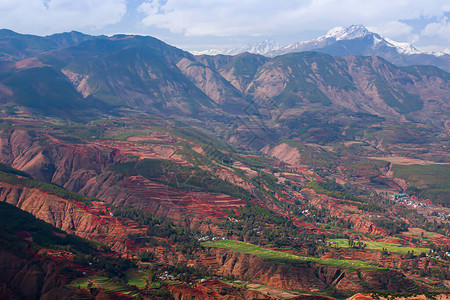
x=333 y=32
x=349 y=33
x=403 y=48
x=262 y=48
x=271 y=47
x=337 y=35
x=352 y=40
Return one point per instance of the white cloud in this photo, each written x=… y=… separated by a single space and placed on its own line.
x=50 y=16
x=440 y=29
x=392 y=29
x=434 y=49
x=182 y=21
x=268 y=17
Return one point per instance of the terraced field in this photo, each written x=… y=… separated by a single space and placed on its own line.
x=105 y=284
x=159 y=197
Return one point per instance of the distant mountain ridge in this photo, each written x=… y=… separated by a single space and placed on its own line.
x=105 y=75
x=353 y=40
x=15 y=46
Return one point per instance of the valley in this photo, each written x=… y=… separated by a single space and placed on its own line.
x=158 y=173
x=307 y=215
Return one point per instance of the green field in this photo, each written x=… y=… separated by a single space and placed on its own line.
x=104 y=283
x=134 y=277
x=284 y=258
x=394 y=248
x=79 y=283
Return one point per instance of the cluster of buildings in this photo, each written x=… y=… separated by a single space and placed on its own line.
x=407 y=200
x=208 y=238
x=440 y=215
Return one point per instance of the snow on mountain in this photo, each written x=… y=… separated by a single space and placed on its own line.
x=341 y=34
x=271 y=47
x=262 y=48
x=353 y=40
x=404 y=48
x=349 y=33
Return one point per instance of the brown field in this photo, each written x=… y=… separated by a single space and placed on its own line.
x=400 y=160
x=154 y=136
x=162 y=199
x=349 y=143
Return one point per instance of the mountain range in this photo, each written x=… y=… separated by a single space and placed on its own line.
x=131 y=169
x=77 y=76
x=262 y=48
x=353 y=40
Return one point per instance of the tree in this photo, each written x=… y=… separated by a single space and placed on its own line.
x=351 y=242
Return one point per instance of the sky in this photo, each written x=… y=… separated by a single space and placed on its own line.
x=207 y=24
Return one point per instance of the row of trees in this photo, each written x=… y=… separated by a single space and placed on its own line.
x=262 y=226
x=49 y=188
